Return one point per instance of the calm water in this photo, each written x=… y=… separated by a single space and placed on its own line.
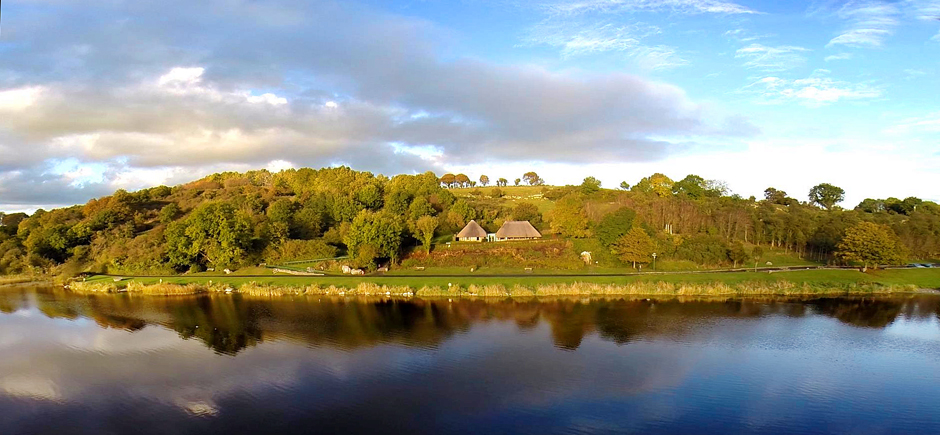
x=230 y=364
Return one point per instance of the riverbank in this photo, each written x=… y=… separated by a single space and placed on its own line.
x=24 y=280
x=815 y=282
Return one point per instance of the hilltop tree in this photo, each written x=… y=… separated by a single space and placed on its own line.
x=484 y=180
x=532 y=178
x=826 y=195
x=502 y=182
x=624 y=185
x=448 y=180
x=425 y=226
x=590 y=185
x=634 y=247
x=462 y=180
x=517 y=181
x=872 y=245
x=692 y=186
x=775 y=196
x=657 y=184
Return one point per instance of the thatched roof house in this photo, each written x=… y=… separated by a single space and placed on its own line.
x=517 y=230
x=473 y=232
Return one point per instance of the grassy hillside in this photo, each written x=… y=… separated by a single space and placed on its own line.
x=237 y=221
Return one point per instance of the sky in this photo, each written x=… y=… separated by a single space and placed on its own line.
x=106 y=94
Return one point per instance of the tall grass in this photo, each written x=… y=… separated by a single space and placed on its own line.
x=637 y=288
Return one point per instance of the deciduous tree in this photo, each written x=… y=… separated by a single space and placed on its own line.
x=569 y=218
x=826 y=195
x=614 y=225
x=634 y=247
x=590 y=185
x=871 y=245
x=532 y=178
x=448 y=180
x=425 y=226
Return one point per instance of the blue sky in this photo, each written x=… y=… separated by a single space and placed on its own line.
x=111 y=94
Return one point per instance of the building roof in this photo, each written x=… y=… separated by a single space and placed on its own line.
x=473 y=229
x=518 y=230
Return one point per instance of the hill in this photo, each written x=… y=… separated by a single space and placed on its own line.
x=235 y=220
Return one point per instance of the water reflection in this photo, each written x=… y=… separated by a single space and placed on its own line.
x=229 y=324
x=73 y=364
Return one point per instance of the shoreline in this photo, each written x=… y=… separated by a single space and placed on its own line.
x=645 y=288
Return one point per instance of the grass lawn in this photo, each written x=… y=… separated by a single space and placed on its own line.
x=923 y=278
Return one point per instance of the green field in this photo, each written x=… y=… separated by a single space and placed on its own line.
x=921 y=278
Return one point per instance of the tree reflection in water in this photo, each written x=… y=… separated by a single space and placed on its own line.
x=230 y=323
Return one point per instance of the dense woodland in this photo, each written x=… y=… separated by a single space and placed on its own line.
x=232 y=220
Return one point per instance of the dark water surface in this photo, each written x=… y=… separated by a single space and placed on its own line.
x=228 y=364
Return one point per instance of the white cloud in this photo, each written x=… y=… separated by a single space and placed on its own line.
x=683 y=6
x=925 y=124
x=861 y=38
x=869 y=23
x=813 y=91
x=656 y=58
x=181 y=76
x=577 y=39
x=840 y=56
x=279 y=165
x=20 y=98
x=743 y=35
x=771 y=58
x=268 y=98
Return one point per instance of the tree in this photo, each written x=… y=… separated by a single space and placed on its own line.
x=526 y=211
x=738 y=254
x=634 y=247
x=463 y=180
x=614 y=225
x=871 y=245
x=169 y=213
x=425 y=227
x=532 y=178
x=624 y=185
x=502 y=182
x=517 y=181
x=775 y=196
x=756 y=254
x=569 y=218
x=484 y=180
x=658 y=184
x=377 y=234
x=590 y=185
x=214 y=233
x=692 y=186
x=826 y=195
x=420 y=207
x=448 y=180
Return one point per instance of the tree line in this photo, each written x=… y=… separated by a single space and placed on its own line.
x=231 y=220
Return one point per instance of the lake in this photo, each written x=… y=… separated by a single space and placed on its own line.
x=227 y=364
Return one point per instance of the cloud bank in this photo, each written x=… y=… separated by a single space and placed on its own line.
x=144 y=92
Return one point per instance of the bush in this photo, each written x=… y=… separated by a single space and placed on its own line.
x=295 y=250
